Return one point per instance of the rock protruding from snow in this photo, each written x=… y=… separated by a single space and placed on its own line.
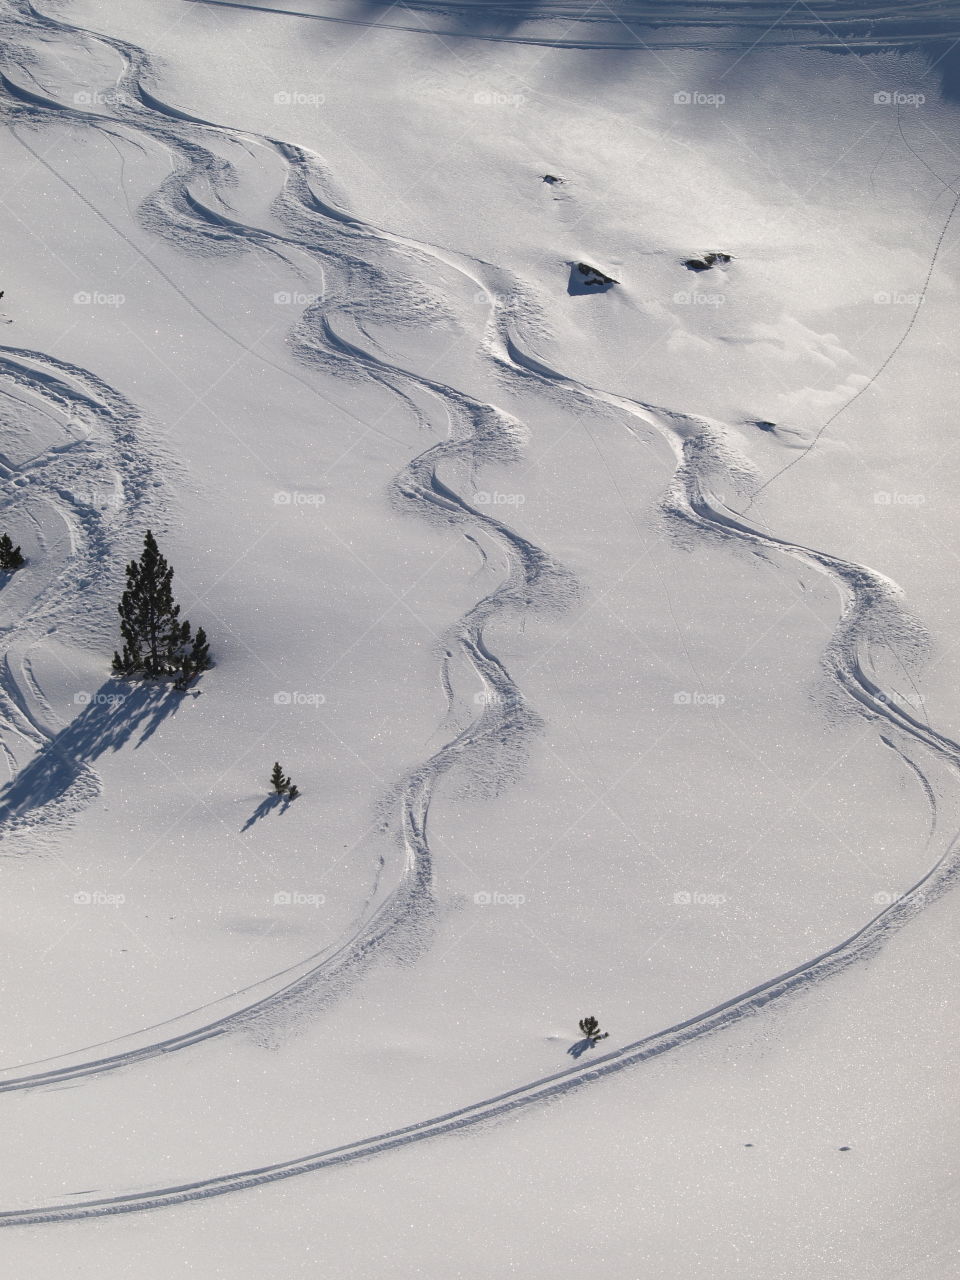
x=707 y=260
x=587 y=279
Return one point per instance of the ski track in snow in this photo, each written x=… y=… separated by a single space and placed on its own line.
x=871 y=613
x=100 y=482
x=667 y=25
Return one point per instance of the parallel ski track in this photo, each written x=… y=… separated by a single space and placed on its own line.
x=670 y=25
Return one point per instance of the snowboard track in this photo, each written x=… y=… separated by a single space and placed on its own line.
x=871 y=612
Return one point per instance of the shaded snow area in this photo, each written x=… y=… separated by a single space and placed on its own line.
x=549 y=413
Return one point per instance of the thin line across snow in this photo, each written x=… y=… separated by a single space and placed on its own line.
x=700 y=25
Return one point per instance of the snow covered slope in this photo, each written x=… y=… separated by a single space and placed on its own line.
x=606 y=630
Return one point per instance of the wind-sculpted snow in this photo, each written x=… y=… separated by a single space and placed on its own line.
x=331 y=333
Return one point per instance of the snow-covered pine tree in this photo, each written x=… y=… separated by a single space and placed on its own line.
x=279 y=780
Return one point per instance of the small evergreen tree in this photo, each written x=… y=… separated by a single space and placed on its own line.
x=197 y=660
x=281 y=784
x=591 y=1029
x=155 y=641
x=10 y=558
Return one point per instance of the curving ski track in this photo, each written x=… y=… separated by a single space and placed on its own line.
x=871 y=612
x=101 y=451
x=478 y=431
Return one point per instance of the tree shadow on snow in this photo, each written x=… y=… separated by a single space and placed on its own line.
x=577 y=1050
x=108 y=720
x=266 y=806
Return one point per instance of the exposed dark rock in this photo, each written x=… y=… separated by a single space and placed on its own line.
x=708 y=260
x=587 y=279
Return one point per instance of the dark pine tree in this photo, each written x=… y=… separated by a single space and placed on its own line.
x=196 y=660
x=10 y=558
x=155 y=641
x=590 y=1027
x=279 y=780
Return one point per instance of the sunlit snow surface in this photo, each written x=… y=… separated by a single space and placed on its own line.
x=603 y=615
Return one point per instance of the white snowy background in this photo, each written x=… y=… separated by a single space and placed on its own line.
x=610 y=636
